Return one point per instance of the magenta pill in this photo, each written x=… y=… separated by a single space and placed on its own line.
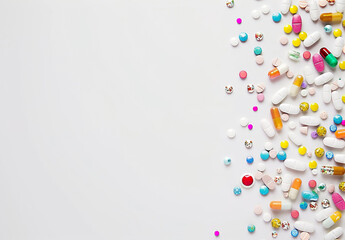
x=239 y=20
x=306 y=55
x=216 y=233
x=250 y=126
x=312 y=183
x=343 y=122
x=255 y=108
x=243 y=74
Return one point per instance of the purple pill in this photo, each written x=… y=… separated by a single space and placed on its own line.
x=304 y=85
x=314 y=134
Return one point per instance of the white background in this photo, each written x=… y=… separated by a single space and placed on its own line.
x=114 y=119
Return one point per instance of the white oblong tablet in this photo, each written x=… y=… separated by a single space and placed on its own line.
x=296 y=139
x=309 y=74
x=336 y=100
x=304 y=226
x=309 y=121
x=280 y=95
x=285 y=6
x=338 y=47
x=286 y=182
x=314 y=10
x=323 y=78
x=289 y=108
x=268 y=128
x=323 y=214
x=326 y=93
x=334 y=234
x=333 y=142
x=295 y=164
x=339 y=158
x=312 y=39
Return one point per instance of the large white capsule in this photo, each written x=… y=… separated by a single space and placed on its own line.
x=338 y=47
x=327 y=93
x=286 y=182
x=323 y=214
x=334 y=234
x=280 y=95
x=339 y=158
x=309 y=74
x=285 y=6
x=336 y=100
x=295 y=164
x=267 y=127
x=304 y=226
x=333 y=142
x=289 y=108
x=296 y=139
x=309 y=121
x=314 y=10
x=312 y=39
x=323 y=78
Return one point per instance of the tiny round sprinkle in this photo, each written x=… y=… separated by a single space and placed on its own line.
x=343 y=122
x=243 y=37
x=284 y=40
x=243 y=74
x=257 y=50
x=294 y=232
x=258 y=210
x=306 y=55
x=294 y=214
x=296 y=42
x=304 y=85
x=227 y=161
x=342 y=65
x=250 y=126
x=293 y=9
x=250 y=159
x=256 y=14
x=234 y=41
x=255 y=108
x=337 y=32
x=303 y=205
x=302 y=35
x=290 y=74
x=239 y=20
x=287 y=28
x=265 y=9
x=259 y=59
x=216 y=233
x=261 y=97
x=328 y=28
x=285 y=117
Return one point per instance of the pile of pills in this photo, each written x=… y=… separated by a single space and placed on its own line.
x=322 y=75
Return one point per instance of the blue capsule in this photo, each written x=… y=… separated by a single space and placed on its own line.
x=264 y=190
x=276 y=17
x=250 y=159
x=337 y=119
x=243 y=37
x=264 y=155
x=333 y=128
x=257 y=50
x=310 y=196
x=329 y=155
x=294 y=232
x=303 y=205
x=227 y=161
x=237 y=191
x=281 y=155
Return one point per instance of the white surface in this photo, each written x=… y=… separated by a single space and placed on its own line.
x=114 y=119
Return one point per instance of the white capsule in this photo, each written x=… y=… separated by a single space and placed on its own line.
x=286 y=182
x=314 y=10
x=323 y=78
x=304 y=226
x=285 y=6
x=323 y=214
x=280 y=95
x=339 y=158
x=340 y=5
x=268 y=128
x=330 y=221
x=326 y=93
x=338 y=47
x=309 y=121
x=289 y=108
x=309 y=74
x=334 y=234
x=312 y=39
x=333 y=142
x=295 y=164
x=296 y=139
x=336 y=99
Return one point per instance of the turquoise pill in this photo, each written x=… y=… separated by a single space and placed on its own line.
x=337 y=119
x=303 y=205
x=328 y=28
x=281 y=155
x=276 y=17
x=257 y=51
x=243 y=36
x=264 y=155
x=310 y=196
x=251 y=228
x=264 y=190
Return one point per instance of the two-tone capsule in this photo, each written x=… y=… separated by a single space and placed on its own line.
x=296 y=85
x=277 y=121
x=280 y=205
x=280 y=70
x=331 y=17
x=328 y=56
x=331 y=220
x=296 y=185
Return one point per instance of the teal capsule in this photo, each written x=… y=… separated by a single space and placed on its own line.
x=310 y=196
x=329 y=57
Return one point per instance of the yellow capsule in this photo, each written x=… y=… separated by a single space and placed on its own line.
x=293 y=9
x=296 y=42
x=342 y=65
x=331 y=17
x=302 y=150
x=337 y=32
x=319 y=152
x=284 y=144
x=312 y=164
x=302 y=35
x=287 y=28
x=314 y=107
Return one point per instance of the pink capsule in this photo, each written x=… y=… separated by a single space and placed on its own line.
x=318 y=62
x=296 y=23
x=338 y=201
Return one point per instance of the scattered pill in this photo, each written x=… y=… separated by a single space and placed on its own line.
x=256 y=14
x=276 y=17
x=284 y=40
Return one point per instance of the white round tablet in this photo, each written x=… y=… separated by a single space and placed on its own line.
x=234 y=41
x=266 y=217
x=268 y=146
x=304 y=92
x=261 y=167
x=244 y=121
x=314 y=172
x=231 y=133
x=292 y=125
x=256 y=14
x=265 y=9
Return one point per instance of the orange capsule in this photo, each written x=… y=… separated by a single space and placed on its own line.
x=340 y=133
x=280 y=205
x=277 y=121
x=295 y=186
x=331 y=17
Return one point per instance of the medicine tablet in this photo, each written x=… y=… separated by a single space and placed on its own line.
x=304 y=92
x=266 y=217
x=256 y=14
x=261 y=167
x=231 y=133
x=292 y=125
x=265 y=9
x=258 y=210
x=273 y=154
x=234 y=41
x=258 y=175
x=259 y=59
x=260 y=97
x=276 y=62
x=268 y=146
x=284 y=40
x=244 y=121
x=290 y=74
x=285 y=117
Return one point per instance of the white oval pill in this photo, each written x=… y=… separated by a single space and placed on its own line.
x=309 y=121
x=295 y=164
x=314 y=10
x=333 y=142
x=285 y=6
x=309 y=74
x=336 y=100
x=334 y=234
x=289 y=108
x=286 y=182
x=296 y=139
x=339 y=158
x=323 y=214
x=280 y=95
x=338 y=47
x=304 y=226
x=268 y=128
x=323 y=78
x=326 y=93
x=312 y=39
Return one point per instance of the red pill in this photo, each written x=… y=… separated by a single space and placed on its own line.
x=306 y=55
x=294 y=214
x=312 y=183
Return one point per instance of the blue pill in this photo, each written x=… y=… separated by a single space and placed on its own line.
x=264 y=190
x=294 y=232
x=257 y=50
x=251 y=228
x=276 y=17
x=281 y=155
x=310 y=196
x=227 y=161
x=333 y=128
x=243 y=36
x=328 y=28
x=329 y=155
x=250 y=159
x=303 y=205
x=237 y=191
x=337 y=119
x=264 y=155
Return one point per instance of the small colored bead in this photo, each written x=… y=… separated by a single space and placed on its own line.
x=343 y=98
x=337 y=32
x=259 y=36
x=342 y=65
x=337 y=119
x=312 y=164
x=264 y=190
x=294 y=214
x=306 y=55
x=342 y=186
x=325 y=203
x=276 y=223
x=250 y=159
x=284 y=144
x=293 y=9
x=304 y=85
x=321 y=131
x=276 y=17
x=343 y=123
x=314 y=107
x=250 y=126
x=251 y=228
x=333 y=128
x=302 y=150
x=313 y=205
x=329 y=155
x=227 y=161
x=264 y=155
x=330 y=188
x=304 y=106
x=328 y=28
x=239 y=20
x=260 y=97
x=230 y=3
x=278 y=180
x=216 y=233
x=274 y=234
x=303 y=205
x=302 y=35
x=319 y=152
x=248 y=143
x=287 y=28
x=322 y=187
x=312 y=184
x=243 y=37
x=229 y=89
x=281 y=155
x=296 y=42
x=257 y=50
x=323 y=115
x=294 y=232
x=255 y=108
x=237 y=191
x=243 y=74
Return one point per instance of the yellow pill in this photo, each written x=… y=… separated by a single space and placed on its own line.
x=337 y=32
x=287 y=28
x=284 y=144
x=302 y=150
x=343 y=98
x=296 y=42
x=302 y=35
x=342 y=65
x=293 y=9
x=314 y=107
x=312 y=164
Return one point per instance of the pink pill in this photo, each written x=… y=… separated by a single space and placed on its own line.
x=284 y=40
x=304 y=236
x=260 y=97
x=306 y=55
x=255 y=109
x=259 y=59
x=290 y=74
x=294 y=214
x=285 y=117
x=296 y=23
x=250 y=126
x=318 y=62
x=312 y=183
x=338 y=201
x=330 y=188
x=322 y=3
x=216 y=233
x=243 y=74
x=258 y=210
x=311 y=91
x=273 y=154
x=343 y=122
x=239 y=20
